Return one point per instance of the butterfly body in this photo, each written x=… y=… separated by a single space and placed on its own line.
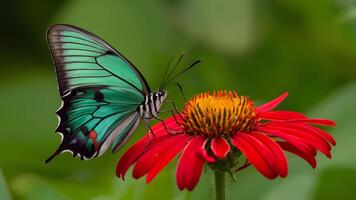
x=150 y=108
x=104 y=96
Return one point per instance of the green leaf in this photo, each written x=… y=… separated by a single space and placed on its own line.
x=160 y=188
x=129 y=188
x=305 y=182
x=28 y=105
x=4 y=191
x=225 y=25
x=336 y=183
x=32 y=187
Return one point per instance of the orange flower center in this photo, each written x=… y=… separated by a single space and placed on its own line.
x=219 y=114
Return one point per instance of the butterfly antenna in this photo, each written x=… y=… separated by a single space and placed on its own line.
x=165 y=73
x=166 y=81
x=184 y=70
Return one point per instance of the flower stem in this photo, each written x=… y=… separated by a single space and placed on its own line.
x=219 y=185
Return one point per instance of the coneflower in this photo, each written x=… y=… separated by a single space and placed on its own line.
x=229 y=133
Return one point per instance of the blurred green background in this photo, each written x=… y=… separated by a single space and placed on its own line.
x=260 y=48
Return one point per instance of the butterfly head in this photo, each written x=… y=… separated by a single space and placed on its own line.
x=156 y=99
x=162 y=94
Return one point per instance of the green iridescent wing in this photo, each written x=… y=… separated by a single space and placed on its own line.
x=101 y=92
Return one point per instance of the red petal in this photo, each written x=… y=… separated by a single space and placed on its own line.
x=322 y=122
x=281 y=115
x=148 y=159
x=220 y=147
x=272 y=104
x=317 y=142
x=295 y=141
x=130 y=157
x=314 y=131
x=288 y=147
x=324 y=134
x=281 y=160
x=305 y=128
x=256 y=153
x=190 y=164
x=177 y=144
x=134 y=152
x=171 y=124
x=205 y=156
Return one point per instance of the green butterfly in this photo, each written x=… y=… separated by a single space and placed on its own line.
x=104 y=96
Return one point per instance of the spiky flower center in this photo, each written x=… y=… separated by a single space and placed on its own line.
x=219 y=114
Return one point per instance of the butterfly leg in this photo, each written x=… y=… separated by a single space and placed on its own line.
x=174 y=105
x=165 y=126
x=172 y=113
x=151 y=133
x=175 y=109
x=153 y=116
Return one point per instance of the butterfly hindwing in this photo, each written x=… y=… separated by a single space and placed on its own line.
x=100 y=90
x=88 y=118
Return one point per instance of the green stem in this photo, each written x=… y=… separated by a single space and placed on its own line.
x=219 y=185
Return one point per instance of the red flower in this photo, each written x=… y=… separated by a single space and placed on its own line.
x=217 y=129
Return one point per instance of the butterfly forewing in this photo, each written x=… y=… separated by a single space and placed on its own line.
x=100 y=89
x=82 y=58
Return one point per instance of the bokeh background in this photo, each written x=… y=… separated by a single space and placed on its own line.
x=260 y=48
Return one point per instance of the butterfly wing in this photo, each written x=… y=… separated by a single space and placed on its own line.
x=82 y=58
x=100 y=90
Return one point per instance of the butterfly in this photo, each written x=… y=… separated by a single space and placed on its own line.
x=104 y=96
